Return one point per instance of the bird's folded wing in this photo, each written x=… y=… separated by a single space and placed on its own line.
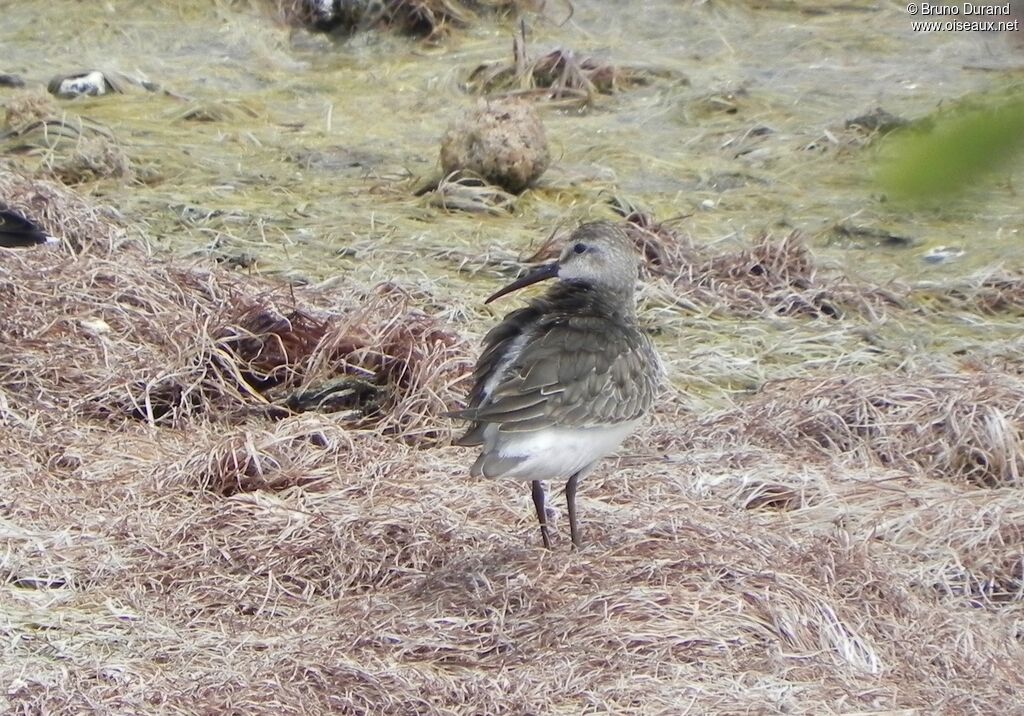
x=497 y=343
x=574 y=372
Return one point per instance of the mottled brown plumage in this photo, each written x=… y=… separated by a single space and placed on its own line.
x=563 y=381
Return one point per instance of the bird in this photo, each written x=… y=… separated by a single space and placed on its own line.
x=562 y=382
x=16 y=231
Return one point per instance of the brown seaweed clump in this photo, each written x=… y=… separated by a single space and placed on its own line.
x=501 y=141
x=666 y=251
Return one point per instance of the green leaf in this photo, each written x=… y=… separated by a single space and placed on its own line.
x=962 y=148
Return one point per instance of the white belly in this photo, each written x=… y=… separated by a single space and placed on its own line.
x=557 y=452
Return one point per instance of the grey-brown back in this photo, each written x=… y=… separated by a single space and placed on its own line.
x=580 y=362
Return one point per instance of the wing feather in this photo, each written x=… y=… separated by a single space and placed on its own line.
x=572 y=372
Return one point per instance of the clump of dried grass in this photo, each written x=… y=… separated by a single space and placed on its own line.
x=26 y=108
x=778 y=276
x=989 y=293
x=91 y=158
x=126 y=337
x=224 y=110
x=254 y=460
x=962 y=427
x=80 y=224
x=70 y=149
x=462 y=192
x=560 y=76
x=780 y=272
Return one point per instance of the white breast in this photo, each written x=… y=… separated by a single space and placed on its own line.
x=556 y=453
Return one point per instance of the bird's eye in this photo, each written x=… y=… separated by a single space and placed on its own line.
x=579 y=248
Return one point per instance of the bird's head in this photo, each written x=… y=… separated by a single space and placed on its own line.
x=598 y=254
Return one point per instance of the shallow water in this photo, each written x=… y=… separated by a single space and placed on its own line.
x=311 y=173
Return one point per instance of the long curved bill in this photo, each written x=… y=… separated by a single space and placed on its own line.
x=541 y=273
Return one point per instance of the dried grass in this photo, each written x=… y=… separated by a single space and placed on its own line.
x=382 y=585
x=666 y=251
x=560 y=76
x=967 y=427
x=81 y=225
x=164 y=345
x=27 y=107
x=780 y=277
x=989 y=293
x=462 y=192
x=71 y=149
x=231 y=557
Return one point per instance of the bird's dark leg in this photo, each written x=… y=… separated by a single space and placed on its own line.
x=570 y=498
x=538 y=504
